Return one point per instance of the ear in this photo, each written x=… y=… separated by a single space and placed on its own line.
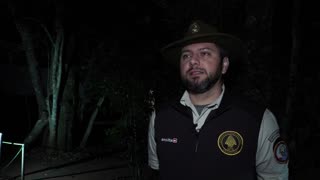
x=225 y=65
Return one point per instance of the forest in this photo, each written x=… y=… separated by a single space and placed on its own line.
x=81 y=74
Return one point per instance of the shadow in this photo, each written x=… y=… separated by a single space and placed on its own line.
x=83 y=160
x=89 y=171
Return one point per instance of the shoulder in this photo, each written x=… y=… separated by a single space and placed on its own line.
x=246 y=104
x=166 y=105
x=163 y=106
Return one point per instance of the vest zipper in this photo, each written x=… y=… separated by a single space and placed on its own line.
x=197 y=141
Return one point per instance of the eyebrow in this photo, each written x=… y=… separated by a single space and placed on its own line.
x=200 y=49
x=206 y=48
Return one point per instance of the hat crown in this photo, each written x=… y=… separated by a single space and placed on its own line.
x=198 y=27
x=200 y=32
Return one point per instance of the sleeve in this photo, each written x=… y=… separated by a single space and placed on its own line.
x=272 y=152
x=152 y=151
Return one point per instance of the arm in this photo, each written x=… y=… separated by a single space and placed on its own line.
x=272 y=151
x=153 y=161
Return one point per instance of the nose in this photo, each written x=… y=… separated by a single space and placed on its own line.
x=194 y=60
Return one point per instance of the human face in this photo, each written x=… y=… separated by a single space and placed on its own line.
x=201 y=66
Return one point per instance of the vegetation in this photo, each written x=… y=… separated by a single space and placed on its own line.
x=104 y=71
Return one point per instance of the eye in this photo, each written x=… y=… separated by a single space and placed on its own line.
x=205 y=53
x=185 y=56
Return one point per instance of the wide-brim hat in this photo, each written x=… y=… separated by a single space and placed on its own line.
x=198 y=32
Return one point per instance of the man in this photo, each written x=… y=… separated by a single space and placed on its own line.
x=210 y=133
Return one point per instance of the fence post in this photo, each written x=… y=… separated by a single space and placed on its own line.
x=22 y=155
x=0 y=144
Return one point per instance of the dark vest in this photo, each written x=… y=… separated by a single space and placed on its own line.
x=224 y=149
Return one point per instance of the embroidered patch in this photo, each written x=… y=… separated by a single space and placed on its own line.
x=230 y=143
x=280 y=151
x=170 y=140
x=194 y=28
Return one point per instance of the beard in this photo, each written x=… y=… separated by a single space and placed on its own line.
x=198 y=87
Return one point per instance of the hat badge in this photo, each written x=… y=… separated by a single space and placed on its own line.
x=194 y=28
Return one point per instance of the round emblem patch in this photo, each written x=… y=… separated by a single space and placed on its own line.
x=281 y=151
x=230 y=143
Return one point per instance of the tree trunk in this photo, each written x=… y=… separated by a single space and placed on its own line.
x=68 y=101
x=37 y=130
x=56 y=75
x=91 y=121
x=66 y=118
x=55 y=84
x=27 y=44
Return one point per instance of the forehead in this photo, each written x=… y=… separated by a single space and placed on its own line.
x=198 y=46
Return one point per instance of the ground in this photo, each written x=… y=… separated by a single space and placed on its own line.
x=92 y=164
x=101 y=164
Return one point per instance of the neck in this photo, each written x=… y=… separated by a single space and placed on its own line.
x=207 y=97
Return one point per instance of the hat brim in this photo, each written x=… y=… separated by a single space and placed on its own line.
x=233 y=46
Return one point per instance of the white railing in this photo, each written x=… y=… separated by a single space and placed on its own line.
x=21 y=150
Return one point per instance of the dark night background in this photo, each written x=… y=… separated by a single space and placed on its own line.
x=113 y=47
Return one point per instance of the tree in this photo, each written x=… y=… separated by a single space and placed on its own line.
x=48 y=101
x=28 y=46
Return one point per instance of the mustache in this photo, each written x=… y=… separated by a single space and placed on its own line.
x=195 y=69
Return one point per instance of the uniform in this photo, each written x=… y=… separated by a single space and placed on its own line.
x=228 y=139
